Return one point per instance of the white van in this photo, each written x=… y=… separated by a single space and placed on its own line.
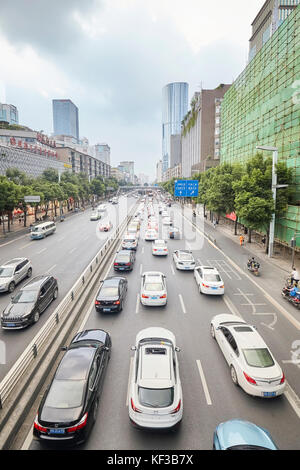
x=42 y=230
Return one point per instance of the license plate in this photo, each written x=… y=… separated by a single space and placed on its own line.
x=215 y=288
x=121 y=269
x=269 y=394
x=106 y=310
x=154 y=297
x=10 y=324
x=57 y=431
x=187 y=267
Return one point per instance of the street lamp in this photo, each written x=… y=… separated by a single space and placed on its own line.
x=274 y=187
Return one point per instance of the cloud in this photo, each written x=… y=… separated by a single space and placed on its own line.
x=113 y=57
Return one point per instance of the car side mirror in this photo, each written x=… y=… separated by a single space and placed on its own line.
x=177 y=349
x=106 y=348
x=133 y=348
x=64 y=348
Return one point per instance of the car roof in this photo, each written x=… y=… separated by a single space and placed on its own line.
x=90 y=336
x=209 y=268
x=36 y=282
x=124 y=252
x=75 y=364
x=246 y=336
x=153 y=274
x=156 y=366
x=14 y=261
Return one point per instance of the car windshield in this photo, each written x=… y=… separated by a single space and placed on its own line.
x=160 y=244
x=109 y=291
x=156 y=398
x=25 y=297
x=212 y=277
x=129 y=240
x=258 y=357
x=65 y=394
x=153 y=286
x=6 y=272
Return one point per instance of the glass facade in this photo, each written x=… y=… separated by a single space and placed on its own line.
x=9 y=113
x=65 y=118
x=174 y=108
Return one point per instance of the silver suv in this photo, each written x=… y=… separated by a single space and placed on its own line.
x=14 y=271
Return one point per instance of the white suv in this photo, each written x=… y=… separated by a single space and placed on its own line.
x=155 y=394
x=14 y=271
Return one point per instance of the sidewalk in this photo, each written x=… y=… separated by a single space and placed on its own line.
x=253 y=249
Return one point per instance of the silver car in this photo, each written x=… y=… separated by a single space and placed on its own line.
x=14 y=271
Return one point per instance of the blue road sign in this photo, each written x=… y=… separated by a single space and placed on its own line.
x=186 y=188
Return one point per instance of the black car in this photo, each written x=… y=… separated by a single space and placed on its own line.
x=68 y=409
x=124 y=260
x=27 y=305
x=111 y=294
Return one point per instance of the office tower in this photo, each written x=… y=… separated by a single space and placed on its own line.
x=9 y=113
x=65 y=118
x=174 y=108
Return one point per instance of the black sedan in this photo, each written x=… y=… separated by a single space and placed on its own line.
x=111 y=294
x=124 y=260
x=69 y=407
x=27 y=305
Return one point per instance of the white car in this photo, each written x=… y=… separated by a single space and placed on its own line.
x=167 y=221
x=151 y=235
x=129 y=242
x=155 y=395
x=208 y=280
x=252 y=365
x=153 y=289
x=95 y=216
x=160 y=248
x=184 y=260
x=165 y=213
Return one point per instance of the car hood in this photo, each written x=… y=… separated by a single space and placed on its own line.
x=5 y=280
x=17 y=310
x=60 y=416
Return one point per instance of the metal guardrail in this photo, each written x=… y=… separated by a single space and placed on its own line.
x=31 y=352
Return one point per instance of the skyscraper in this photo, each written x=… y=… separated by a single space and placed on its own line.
x=174 y=108
x=65 y=118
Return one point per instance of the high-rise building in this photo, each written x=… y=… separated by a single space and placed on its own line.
x=159 y=175
x=201 y=131
x=102 y=152
x=267 y=21
x=174 y=108
x=128 y=168
x=65 y=118
x=9 y=113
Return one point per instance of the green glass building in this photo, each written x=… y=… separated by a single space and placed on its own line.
x=262 y=107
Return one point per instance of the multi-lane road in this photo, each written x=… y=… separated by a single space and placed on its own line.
x=209 y=395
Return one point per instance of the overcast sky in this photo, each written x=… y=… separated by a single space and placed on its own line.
x=113 y=57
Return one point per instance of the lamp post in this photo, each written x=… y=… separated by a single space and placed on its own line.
x=274 y=187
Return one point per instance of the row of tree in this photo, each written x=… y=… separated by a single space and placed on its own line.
x=70 y=191
x=246 y=190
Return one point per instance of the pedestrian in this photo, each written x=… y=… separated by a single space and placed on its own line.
x=295 y=277
x=263 y=240
x=242 y=240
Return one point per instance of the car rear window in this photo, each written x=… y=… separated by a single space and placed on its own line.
x=123 y=258
x=258 y=357
x=65 y=394
x=156 y=398
x=185 y=257
x=109 y=291
x=212 y=277
x=153 y=286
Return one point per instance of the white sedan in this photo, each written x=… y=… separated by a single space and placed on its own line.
x=155 y=395
x=252 y=365
x=160 y=248
x=151 y=235
x=184 y=260
x=208 y=280
x=153 y=289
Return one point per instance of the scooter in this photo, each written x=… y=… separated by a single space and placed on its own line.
x=254 y=268
x=294 y=299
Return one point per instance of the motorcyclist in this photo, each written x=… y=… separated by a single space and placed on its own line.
x=252 y=263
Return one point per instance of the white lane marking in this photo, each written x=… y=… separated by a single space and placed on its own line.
x=182 y=303
x=143 y=249
x=129 y=377
x=293 y=399
x=24 y=246
x=231 y=306
x=50 y=269
x=141 y=268
x=41 y=251
x=137 y=303
x=172 y=269
x=12 y=241
x=204 y=384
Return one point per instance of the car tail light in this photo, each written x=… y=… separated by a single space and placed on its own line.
x=116 y=264
x=282 y=378
x=163 y=296
x=97 y=302
x=128 y=264
x=204 y=285
x=249 y=379
x=222 y=287
x=134 y=407
x=177 y=408
x=37 y=425
x=117 y=302
x=145 y=296
x=154 y=249
x=80 y=425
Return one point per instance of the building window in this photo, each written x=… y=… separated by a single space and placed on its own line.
x=252 y=52
x=266 y=35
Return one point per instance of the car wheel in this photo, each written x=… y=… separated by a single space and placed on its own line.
x=55 y=293
x=29 y=272
x=11 y=287
x=36 y=316
x=212 y=331
x=233 y=375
